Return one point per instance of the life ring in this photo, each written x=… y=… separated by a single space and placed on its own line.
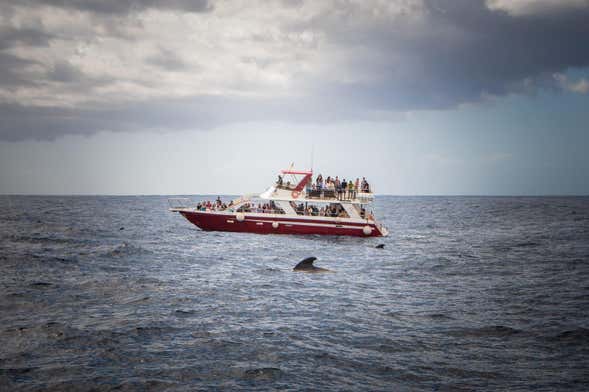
x=367 y=230
x=240 y=217
x=275 y=225
x=295 y=194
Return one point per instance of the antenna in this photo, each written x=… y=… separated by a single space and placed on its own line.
x=312 y=155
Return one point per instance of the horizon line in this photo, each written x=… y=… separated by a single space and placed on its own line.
x=237 y=194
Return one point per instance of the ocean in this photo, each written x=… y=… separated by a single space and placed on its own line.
x=469 y=293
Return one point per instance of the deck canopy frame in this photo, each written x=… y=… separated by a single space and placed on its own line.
x=307 y=176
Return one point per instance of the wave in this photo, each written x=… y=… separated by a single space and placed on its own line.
x=119 y=250
x=267 y=373
x=439 y=316
x=527 y=244
x=184 y=313
x=41 y=284
x=573 y=336
x=43 y=239
x=488 y=331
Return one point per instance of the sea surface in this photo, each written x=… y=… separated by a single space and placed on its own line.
x=469 y=293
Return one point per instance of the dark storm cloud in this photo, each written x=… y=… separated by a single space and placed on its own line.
x=462 y=52
x=65 y=72
x=167 y=60
x=13 y=37
x=197 y=113
x=127 y=6
x=459 y=52
x=500 y=51
x=12 y=67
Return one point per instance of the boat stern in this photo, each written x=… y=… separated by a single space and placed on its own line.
x=384 y=232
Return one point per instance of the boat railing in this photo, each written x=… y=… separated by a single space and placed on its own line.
x=257 y=210
x=288 y=187
x=342 y=195
x=180 y=202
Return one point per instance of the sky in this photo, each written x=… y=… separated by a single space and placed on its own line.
x=422 y=97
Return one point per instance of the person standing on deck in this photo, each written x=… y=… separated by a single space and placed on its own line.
x=319 y=182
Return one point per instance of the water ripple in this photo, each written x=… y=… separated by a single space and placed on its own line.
x=469 y=293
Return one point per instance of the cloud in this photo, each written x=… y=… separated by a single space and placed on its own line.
x=13 y=37
x=64 y=72
x=581 y=86
x=531 y=7
x=126 y=6
x=87 y=66
x=168 y=60
x=14 y=72
x=204 y=112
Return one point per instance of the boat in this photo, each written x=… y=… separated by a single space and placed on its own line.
x=288 y=207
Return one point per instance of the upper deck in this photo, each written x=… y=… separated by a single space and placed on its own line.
x=299 y=187
x=290 y=193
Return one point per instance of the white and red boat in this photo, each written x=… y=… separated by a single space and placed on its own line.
x=289 y=208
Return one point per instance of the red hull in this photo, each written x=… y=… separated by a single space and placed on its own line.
x=286 y=225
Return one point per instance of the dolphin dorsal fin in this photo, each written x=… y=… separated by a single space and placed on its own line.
x=308 y=262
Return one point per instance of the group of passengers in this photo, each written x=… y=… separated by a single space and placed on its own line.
x=216 y=205
x=333 y=210
x=266 y=208
x=332 y=184
x=334 y=187
x=341 y=188
x=219 y=205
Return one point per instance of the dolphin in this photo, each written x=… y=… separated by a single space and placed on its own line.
x=379 y=246
x=307 y=266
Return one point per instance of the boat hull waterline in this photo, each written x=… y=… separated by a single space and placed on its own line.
x=263 y=224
